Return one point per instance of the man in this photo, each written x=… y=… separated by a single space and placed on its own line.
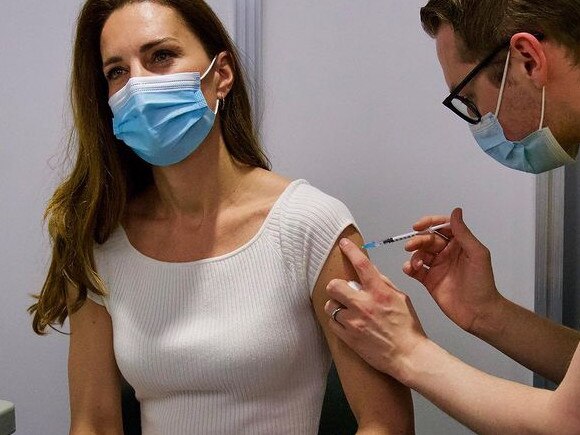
x=513 y=67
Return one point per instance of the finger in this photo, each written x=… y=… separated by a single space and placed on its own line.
x=341 y=292
x=336 y=312
x=367 y=273
x=341 y=332
x=418 y=265
x=420 y=274
x=463 y=234
x=420 y=258
x=429 y=221
x=343 y=316
x=426 y=242
x=331 y=305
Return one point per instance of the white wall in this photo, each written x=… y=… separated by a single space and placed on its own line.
x=352 y=104
x=35 y=55
x=225 y=9
x=353 y=95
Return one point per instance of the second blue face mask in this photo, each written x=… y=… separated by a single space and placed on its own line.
x=163 y=118
x=536 y=153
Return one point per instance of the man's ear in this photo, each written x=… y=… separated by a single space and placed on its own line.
x=529 y=58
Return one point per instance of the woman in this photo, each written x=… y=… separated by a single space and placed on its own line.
x=206 y=267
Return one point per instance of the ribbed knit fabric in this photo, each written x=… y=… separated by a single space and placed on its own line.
x=227 y=345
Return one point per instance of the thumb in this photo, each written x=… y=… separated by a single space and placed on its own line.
x=462 y=233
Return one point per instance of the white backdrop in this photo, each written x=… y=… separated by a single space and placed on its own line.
x=352 y=103
x=35 y=68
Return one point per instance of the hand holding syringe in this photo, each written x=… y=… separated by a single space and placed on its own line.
x=430 y=230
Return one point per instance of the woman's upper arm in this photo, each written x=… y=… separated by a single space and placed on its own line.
x=94 y=379
x=380 y=403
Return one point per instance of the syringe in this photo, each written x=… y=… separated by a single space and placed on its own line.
x=430 y=230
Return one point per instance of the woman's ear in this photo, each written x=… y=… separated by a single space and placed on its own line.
x=529 y=52
x=225 y=74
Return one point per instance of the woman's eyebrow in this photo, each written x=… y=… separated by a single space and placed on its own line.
x=148 y=46
x=145 y=47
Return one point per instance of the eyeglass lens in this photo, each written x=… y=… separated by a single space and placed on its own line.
x=466 y=107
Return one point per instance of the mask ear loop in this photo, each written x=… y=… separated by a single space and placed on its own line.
x=503 y=81
x=217 y=106
x=208 y=68
x=543 y=107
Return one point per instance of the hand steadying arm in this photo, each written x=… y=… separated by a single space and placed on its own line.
x=380 y=324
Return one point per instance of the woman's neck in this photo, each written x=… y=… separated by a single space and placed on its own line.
x=201 y=184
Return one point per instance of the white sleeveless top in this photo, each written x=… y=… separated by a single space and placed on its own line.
x=231 y=344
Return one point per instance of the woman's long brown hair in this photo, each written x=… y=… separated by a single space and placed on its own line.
x=87 y=207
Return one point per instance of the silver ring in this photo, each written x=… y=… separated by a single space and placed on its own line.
x=335 y=312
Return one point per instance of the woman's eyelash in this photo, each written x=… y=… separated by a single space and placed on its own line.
x=159 y=56
x=163 y=53
x=111 y=74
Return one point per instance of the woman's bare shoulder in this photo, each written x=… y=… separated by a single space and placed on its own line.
x=267 y=185
x=272 y=180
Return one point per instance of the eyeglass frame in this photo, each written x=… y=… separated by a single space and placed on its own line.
x=454 y=94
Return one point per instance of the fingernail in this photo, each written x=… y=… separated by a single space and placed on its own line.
x=344 y=243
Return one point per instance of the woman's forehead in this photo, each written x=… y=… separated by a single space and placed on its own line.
x=136 y=24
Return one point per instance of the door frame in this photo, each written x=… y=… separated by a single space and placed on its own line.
x=550 y=211
x=248 y=34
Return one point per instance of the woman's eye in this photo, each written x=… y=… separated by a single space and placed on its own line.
x=162 y=56
x=114 y=73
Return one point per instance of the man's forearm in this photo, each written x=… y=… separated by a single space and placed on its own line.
x=537 y=343
x=482 y=402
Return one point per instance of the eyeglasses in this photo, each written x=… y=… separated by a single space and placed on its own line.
x=463 y=106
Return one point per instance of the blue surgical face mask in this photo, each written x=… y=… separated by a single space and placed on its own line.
x=163 y=118
x=536 y=153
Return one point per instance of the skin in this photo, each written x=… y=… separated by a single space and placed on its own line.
x=533 y=65
x=379 y=321
x=172 y=222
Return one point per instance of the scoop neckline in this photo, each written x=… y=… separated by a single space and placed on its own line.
x=134 y=251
